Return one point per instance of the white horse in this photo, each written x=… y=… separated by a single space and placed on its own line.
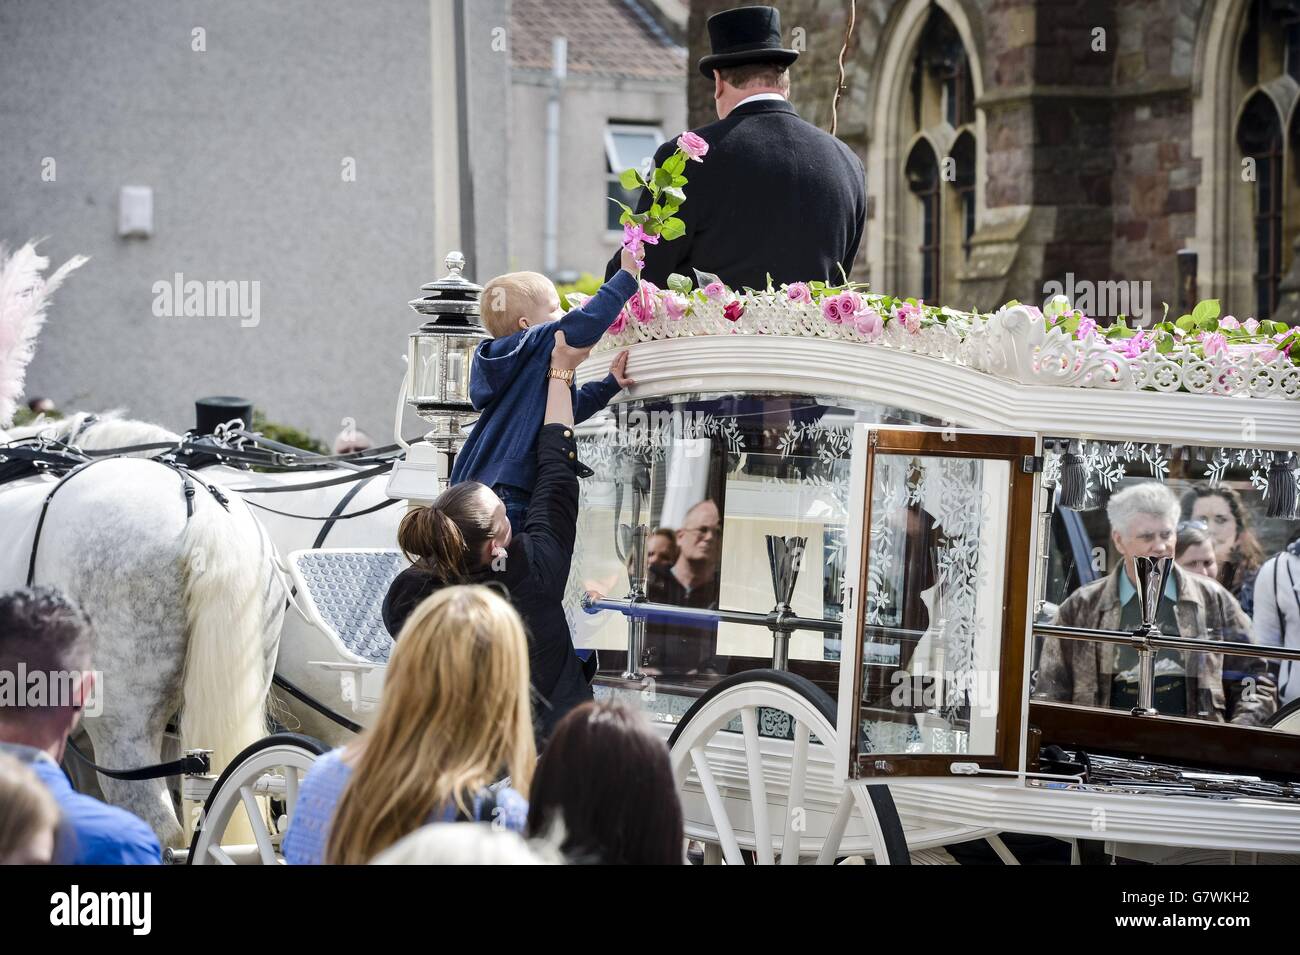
x=377 y=528
x=187 y=612
x=374 y=527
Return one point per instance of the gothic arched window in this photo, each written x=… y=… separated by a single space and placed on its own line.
x=923 y=181
x=962 y=156
x=1259 y=136
x=938 y=163
x=1253 y=178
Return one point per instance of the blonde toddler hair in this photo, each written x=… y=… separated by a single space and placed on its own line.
x=508 y=296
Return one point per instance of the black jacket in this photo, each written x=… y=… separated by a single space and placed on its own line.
x=534 y=574
x=773 y=194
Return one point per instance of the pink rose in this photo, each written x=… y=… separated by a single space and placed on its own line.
x=715 y=291
x=733 y=310
x=850 y=304
x=642 y=304
x=868 y=322
x=1214 y=344
x=1251 y=326
x=694 y=147
x=635 y=239
x=1132 y=347
x=831 y=309
x=798 y=292
x=910 y=316
x=1274 y=353
x=620 y=323
x=674 y=305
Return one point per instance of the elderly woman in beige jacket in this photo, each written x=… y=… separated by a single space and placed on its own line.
x=1144 y=520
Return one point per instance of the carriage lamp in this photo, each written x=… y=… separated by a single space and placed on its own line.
x=439 y=356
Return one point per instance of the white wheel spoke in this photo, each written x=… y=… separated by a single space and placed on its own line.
x=794 y=800
x=219 y=854
x=839 y=823
x=726 y=835
x=733 y=771
x=290 y=790
x=757 y=786
x=257 y=821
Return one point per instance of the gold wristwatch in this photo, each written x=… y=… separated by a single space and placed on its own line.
x=564 y=374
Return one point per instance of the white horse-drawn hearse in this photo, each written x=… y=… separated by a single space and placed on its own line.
x=885 y=502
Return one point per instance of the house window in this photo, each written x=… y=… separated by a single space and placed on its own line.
x=627 y=146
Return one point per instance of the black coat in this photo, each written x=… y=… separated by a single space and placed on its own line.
x=534 y=574
x=774 y=194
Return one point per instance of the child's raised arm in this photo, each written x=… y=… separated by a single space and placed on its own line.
x=584 y=326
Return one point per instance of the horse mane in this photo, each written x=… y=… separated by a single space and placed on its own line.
x=109 y=430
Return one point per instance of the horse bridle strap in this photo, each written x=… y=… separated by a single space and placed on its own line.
x=40 y=521
x=198 y=764
x=187 y=489
x=316 y=485
x=329 y=518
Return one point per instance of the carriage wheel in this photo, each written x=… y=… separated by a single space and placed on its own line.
x=1287 y=719
x=261 y=783
x=743 y=696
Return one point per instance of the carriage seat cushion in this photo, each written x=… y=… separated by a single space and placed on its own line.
x=347 y=588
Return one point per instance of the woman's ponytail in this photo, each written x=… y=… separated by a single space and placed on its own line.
x=445 y=537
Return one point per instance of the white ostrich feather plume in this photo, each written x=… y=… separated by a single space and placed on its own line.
x=24 y=296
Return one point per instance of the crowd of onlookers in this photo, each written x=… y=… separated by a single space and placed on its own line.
x=1223 y=589
x=448 y=771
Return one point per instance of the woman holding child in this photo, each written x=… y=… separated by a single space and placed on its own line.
x=465 y=537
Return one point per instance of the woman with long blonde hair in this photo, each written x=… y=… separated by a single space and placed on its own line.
x=454 y=718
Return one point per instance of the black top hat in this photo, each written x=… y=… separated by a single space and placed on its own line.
x=745 y=35
x=217 y=410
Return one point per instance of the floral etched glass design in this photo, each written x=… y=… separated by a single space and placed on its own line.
x=770 y=464
x=932 y=635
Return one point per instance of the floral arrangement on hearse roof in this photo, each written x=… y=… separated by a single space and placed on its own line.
x=1201 y=352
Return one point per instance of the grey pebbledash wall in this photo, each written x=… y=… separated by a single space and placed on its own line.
x=244 y=146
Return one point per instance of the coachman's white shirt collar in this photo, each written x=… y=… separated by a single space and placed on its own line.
x=759 y=96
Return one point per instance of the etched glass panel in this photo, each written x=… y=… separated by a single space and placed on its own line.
x=714 y=475
x=932 y=628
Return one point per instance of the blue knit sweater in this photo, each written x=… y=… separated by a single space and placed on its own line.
x=508 y=386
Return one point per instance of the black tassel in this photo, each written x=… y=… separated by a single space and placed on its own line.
x=1074 y=480
x=1282 y=487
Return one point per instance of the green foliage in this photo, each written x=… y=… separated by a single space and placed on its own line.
x=287 y=434
x=666 y=197
x=25 y=416
x=680 y=283
x=587 y=284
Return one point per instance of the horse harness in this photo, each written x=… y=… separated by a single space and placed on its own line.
x=188 y=490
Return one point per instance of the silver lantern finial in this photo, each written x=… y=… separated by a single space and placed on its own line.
x=439 y=357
